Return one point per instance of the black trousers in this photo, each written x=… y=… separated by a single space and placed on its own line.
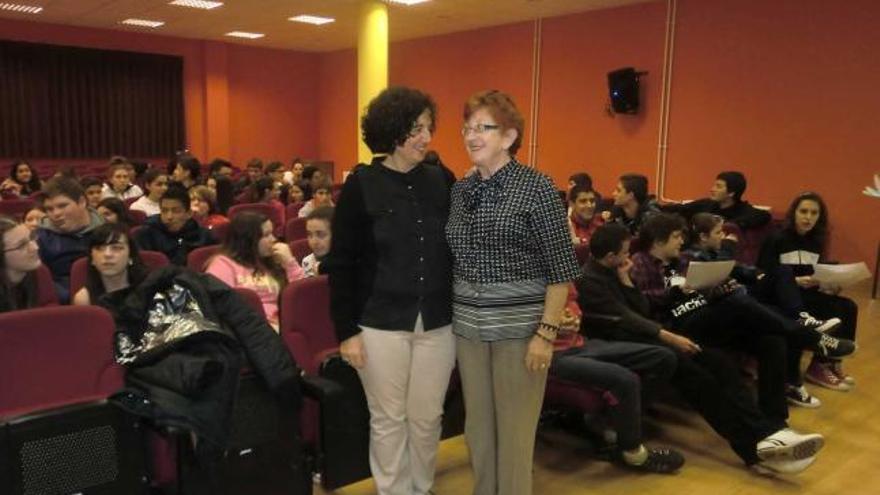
x=740 y=322
x=824 y=306
x=626 y=370
x=712 y=384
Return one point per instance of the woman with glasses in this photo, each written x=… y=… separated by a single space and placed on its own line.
x=390 y=287
x=251 y=257
x=19 y=261
x=513 y=262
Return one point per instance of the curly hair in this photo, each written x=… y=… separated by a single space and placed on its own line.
x=389 y=117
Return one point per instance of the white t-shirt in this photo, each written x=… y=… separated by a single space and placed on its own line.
x=146 y=205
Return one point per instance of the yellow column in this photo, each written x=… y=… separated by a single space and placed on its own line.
x=372 y=61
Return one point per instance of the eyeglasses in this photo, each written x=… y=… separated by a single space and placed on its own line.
x=32 y=238
x=478 y=129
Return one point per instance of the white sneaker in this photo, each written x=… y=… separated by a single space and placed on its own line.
x=789 y=445
x=771 y=468
x=810 y=321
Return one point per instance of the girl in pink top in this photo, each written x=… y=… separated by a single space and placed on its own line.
x=252 y=258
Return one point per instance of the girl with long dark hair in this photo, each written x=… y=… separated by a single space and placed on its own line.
x=114 y=264
x=800 y=245
x=251 y=257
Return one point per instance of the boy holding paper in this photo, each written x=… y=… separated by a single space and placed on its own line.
x=724 y=316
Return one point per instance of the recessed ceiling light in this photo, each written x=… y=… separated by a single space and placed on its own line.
x=196 y=4
x=23 y=9
x=245 y=34
x=408 y=2
x=312 y=19
x=142 y=23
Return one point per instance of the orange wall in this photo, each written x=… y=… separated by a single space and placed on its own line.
x=240 y=101
x=785 y=91
x=337 y=109
x=452 y=67
x=575 y=131
x=273 y=104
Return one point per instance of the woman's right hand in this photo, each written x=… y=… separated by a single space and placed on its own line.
x=353 y=352
x=806 y=282
x=680 y=342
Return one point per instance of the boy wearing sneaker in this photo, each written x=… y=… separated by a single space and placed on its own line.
x=625 y=372
x=615 y=310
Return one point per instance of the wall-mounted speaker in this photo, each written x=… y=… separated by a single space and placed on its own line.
x=623 y=90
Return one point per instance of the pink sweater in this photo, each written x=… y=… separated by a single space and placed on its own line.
x=236 y=275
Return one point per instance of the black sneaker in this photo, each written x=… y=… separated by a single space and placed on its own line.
x=813 y=323
x=660 y=460
x=834 y=348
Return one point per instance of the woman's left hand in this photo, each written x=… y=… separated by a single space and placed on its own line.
x=538 y=354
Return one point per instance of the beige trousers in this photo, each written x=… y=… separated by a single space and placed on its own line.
x=502 y=402
x=405 y=379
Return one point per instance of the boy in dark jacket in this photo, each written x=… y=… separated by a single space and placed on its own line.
x=63 y=235
x=725 y=199
x=173 y=232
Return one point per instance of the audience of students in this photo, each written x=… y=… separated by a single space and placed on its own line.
x=644 y=325
x=616 y=310
x=173 y=232
x=156 y=182
x=251 y=257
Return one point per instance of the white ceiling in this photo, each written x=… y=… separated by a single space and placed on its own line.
x=270 y=17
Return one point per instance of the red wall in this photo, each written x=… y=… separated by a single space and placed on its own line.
x=785 y=91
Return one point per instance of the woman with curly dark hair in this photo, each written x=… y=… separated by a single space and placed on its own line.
x=801 y=244
x=390 y=288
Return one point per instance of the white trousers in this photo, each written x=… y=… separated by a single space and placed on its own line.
x=405 y=379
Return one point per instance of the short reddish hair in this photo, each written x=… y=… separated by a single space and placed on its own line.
x=503 y=110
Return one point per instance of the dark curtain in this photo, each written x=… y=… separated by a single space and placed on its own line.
x=69 y=102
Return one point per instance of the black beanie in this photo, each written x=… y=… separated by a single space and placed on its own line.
x=736 y=183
